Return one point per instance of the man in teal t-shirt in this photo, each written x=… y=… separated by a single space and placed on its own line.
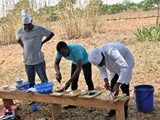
x=79 y=57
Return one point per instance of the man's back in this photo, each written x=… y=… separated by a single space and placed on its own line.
x=76 y=52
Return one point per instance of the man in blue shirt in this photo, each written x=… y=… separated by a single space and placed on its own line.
x=79 y=57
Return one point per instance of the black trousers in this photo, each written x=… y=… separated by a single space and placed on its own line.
x=124 y=87
x=87 y=70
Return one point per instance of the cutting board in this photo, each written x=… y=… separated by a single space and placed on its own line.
x=105 y=97
x=59 y=93
x=91 y=96
x=73 y=93
x=120 y=96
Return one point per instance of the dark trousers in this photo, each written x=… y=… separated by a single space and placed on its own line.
x=31 y=71
x=87 y=70
x=124 y=88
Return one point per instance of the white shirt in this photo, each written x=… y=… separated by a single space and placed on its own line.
x=118 y=59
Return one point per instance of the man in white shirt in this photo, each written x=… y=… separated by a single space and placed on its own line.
x=119 y=61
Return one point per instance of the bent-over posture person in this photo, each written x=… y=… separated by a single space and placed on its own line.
x=30 y=39
x=79 y=57
x=119 y=61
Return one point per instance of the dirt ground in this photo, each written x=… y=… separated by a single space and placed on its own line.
x=146 y=71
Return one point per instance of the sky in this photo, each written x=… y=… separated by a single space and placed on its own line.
x=119 y=1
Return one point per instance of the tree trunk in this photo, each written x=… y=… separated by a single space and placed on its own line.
x=157 y=22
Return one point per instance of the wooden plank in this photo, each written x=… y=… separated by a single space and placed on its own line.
x=74 y=93
x=83 y=92
x=119 y=97
x=91 y=96
x=105 y=97
x=59 y=93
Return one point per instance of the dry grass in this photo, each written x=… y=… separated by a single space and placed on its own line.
x=146 y=70
x=78 y=23
x=12 y=23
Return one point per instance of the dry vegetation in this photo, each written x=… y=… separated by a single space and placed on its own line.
x=146 y=71
x=78 y=22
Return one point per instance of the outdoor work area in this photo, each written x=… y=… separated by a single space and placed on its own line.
x=79 y=60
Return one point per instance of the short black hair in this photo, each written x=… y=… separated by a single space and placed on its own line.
x=61 y=45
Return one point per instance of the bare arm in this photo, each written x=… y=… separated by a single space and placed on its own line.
x=75 y=74
x=20 y=42
x=106 y=85
x=78 y=69
x=48 y=38
x=56 y=65
x=57 y=69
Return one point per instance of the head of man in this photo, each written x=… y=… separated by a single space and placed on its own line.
x=62 y=49
x=96 y=57
x=28 y=27
x=27 y=21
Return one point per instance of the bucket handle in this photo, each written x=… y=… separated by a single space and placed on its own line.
x=146 y=97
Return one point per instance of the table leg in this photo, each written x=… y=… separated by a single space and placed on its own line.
x=56 y=111
x=120 y=113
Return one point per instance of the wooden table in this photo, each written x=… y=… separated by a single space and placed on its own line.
x=100 y=101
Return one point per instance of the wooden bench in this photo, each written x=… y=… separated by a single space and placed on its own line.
x=100 y=101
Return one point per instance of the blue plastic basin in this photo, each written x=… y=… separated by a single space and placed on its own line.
x=44 y=88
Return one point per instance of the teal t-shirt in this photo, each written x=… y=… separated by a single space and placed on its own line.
x=76 y=52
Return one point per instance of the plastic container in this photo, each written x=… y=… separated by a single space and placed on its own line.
x=26 y=87
x=144 y=95
x=35 y=107
x=44 y=88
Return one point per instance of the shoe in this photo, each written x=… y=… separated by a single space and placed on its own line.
x=110 y=113
x=91 y=109
x=68 y=106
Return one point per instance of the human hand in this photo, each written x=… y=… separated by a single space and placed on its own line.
x=58 y=77
x=116 y=89
x=107 y=86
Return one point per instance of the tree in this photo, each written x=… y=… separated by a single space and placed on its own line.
x=154 y=3
x=157 y=2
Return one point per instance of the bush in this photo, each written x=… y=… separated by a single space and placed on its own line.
x=78 y=22
x=151 y=34
x=49 y=12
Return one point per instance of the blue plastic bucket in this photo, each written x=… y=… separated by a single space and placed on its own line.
x=144 y=98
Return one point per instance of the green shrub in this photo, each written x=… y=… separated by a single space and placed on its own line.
x=155 y=33
x=49 y=12
x=151 y=34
